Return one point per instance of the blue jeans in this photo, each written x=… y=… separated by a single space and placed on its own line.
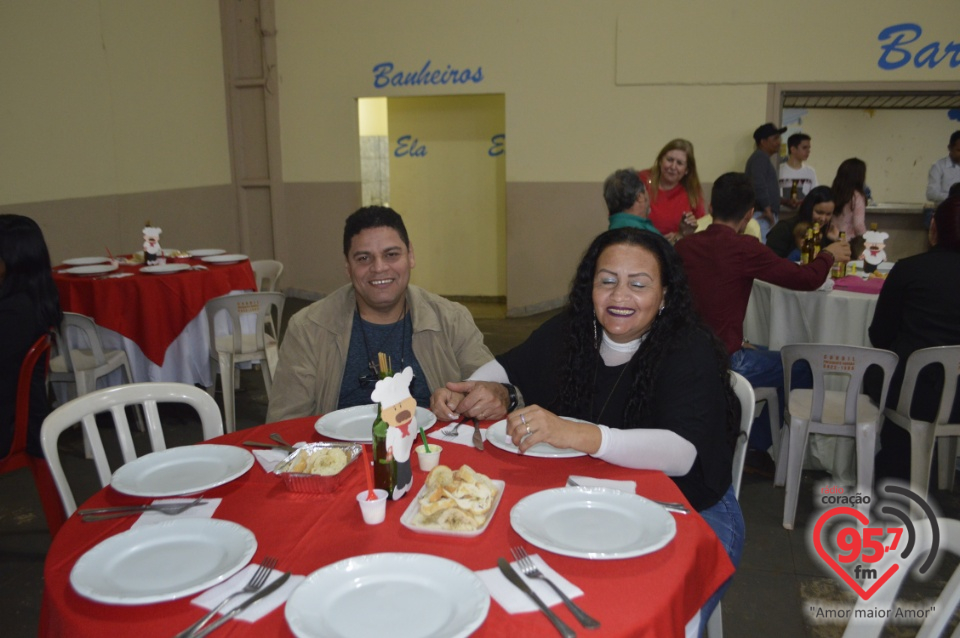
x=763 y=368
x=726 y=520
x=765 y=226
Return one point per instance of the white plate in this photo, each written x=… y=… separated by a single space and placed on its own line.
x=407 y=519
x=164 y=561
x=162 y=269
x=396 y=595
x=97 y=269
x=497 y=434
x=182 y=470
x=224 y=259
x=206 y=252
x=356 y=423
x=86 y=261
x=591 y=522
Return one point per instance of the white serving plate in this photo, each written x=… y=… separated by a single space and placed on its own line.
x=407 y=519
x=497 y=434
x=224 y=259
x=356 y=423
x=161 y=562
x=182 y=470
x=206 y=252
x=592 y=522
x=396 y=595
x=86 y=261
x=163 y=269
x=96 y=269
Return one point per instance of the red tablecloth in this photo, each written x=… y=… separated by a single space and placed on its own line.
x=653 y=595
x=151 y=310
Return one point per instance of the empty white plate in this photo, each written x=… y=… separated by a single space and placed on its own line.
x=181 y=470
x=163 y=269
x=592 y=522
x=163 y=561
x=224 y=259
x=97 y=269
x=86 y=261
x=206 y=252
x=497 y=434
x=397 y=595
x=356 y=423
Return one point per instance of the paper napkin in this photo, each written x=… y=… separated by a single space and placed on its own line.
x=629 y=487
x=515 y=601
x=198 y=511
x=269 y=459
x=464 y=434
x=212 y=597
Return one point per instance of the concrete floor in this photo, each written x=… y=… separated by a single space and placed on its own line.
x=779 y=579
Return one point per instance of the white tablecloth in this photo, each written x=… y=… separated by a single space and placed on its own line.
x=777 y=317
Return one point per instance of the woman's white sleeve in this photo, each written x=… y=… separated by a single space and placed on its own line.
x=490 y=371
x=644 y=449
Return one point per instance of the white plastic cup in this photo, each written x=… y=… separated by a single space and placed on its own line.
x=428 y=460
x=374 y=512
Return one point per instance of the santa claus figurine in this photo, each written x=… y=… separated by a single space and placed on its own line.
x=873 y=253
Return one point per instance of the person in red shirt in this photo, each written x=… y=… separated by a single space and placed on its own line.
x=721 y=264
x=676 y=200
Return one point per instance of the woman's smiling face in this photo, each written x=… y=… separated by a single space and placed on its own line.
x=627 y=293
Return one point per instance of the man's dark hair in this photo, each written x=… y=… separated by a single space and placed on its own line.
x=954 y=138
x=794 y=140
x=372 y=217
x=620 y=190
x=732 y=197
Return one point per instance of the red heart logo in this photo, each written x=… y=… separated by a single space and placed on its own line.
x=829 y=560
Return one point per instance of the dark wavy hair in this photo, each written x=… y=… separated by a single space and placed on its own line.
x=27 y=261
x=677 y=321
x=817 y=195
x=851 y=178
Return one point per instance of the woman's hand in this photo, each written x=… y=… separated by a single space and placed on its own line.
x=475 y=399
x=532 y=424
x=688 y=224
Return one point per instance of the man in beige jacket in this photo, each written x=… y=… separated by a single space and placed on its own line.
x=329 y=356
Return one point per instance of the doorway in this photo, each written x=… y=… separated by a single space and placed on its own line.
x=440 y=162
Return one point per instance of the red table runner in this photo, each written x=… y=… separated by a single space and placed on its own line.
x=653 y=595
x=151 y=310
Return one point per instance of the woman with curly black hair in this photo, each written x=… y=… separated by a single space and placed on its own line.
x=29 y=307
x=632 y=358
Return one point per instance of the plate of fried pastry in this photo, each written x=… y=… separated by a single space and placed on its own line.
x=454 y=503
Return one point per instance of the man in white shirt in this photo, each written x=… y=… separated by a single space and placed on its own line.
x=794 y=171
x=945 y=172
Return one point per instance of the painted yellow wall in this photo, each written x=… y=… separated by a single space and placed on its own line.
x=450 y=190
x=110 y=96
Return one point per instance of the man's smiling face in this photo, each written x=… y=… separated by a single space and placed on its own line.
x=379 y=265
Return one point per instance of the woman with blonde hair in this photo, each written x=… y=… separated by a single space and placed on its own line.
x=676 y=199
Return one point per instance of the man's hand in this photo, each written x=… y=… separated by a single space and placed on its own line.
x=688 y=224
x=476 y=399
x=767 y=214
x=840 y=250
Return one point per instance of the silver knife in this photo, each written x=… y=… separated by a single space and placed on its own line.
x=266 y=591
x=521 y=584
x=477 y=436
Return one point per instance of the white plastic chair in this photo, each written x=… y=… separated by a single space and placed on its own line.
x=744 y=392
x=84 y=361
x=267 y=272
x=923 y=434
x=843 y=413
x=864 y=624
x=83 y=410
x=769 y=396
x=229 y=350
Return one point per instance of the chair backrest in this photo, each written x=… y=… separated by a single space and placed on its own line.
x=73 y=327
x=834 y=359
x=744 y=392
x=84 y=409
x=947 y=357
x=267 y=272
x=864 y=624
x=39 y=349
x=236 y=305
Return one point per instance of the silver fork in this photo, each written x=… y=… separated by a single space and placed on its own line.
x=106 y=513
x=452 y=433
x=255 y=583
x=529 y=568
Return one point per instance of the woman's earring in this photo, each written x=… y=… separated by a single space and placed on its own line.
x=660 y=312
x=596 y=343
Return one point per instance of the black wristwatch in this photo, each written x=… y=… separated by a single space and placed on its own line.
x=512 y=393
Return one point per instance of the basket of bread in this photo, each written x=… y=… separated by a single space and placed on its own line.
x=454 y=502
x=317 y=468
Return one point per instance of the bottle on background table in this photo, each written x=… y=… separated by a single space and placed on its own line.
x=839 y=268
x=806 y=251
